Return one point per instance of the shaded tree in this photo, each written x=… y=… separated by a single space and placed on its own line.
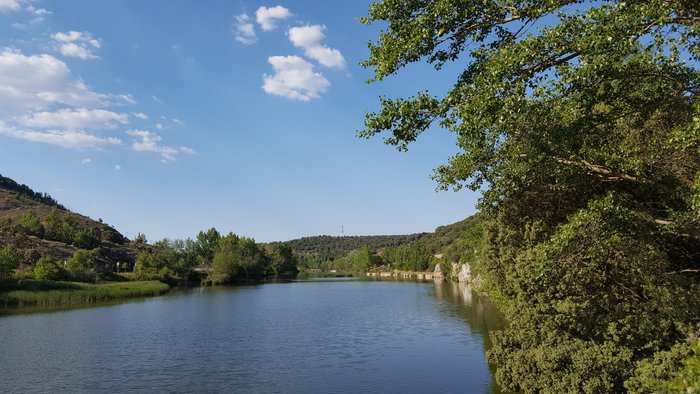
x=282 y=259
x=582 y=123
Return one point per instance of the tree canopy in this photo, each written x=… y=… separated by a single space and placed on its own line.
x=581 y=122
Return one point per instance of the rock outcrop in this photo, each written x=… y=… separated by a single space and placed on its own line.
x=465 y=274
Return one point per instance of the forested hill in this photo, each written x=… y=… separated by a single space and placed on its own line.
x=444 y=239
x=454 y=241
x=38 y=226
x=26 y=191
x=331 y=247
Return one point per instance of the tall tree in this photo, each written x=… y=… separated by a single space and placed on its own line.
x=282 y=259
x=582 y=121
x=206 y=245
x=9 y=260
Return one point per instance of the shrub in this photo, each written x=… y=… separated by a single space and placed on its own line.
x=85 y=239
x=9 y=260
x=48 y=269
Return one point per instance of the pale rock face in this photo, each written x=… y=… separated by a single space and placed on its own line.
x=437 y=273
x=465 y=275
x=455 y=268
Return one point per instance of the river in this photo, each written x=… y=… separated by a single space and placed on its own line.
x=316 y=336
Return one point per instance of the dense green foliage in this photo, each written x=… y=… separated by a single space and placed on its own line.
x=452 y=243
x=224 y=259
x=47 y=269
x=31 y=225
x=328 y=247
x=9 y=260
x=358 y=260
x=416 y=252
x=283 y=261
x=24 y=190
x=239 y=258
x=582 y=121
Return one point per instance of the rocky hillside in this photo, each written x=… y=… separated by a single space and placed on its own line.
x=38 y=225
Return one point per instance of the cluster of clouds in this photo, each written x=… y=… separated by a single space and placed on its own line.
x=293 y=76
x=37 y=14
x=43 y=101
x=77 y=44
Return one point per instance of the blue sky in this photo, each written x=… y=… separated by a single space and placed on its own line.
x=170 y=117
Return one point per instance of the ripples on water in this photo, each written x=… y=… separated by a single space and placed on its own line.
x=301 y=337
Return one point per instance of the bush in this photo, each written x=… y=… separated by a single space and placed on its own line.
x=31 y=225
x=9 y=260
x=82 y=266
x=85 y=239
x=48 y=269
x=165 y=275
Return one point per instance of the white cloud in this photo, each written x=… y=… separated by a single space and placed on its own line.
x=42 y=101
x=77 y=44
x=267 y=17
x=68 y=37
x=117 y=167
x=245 y=31
x=127 y=98
x=67 y=139
x=9 y=5
x=159 y=126
x=306 y=36
x=74 y=50
x=309 y=39
x=86 y=161
x=74 y=119
x=328 y=57
x=37 y=82
x=38 y=11
x=187 y=150
x=39 y=14
x=178 y=121
x=147 y=141
x=294 y=78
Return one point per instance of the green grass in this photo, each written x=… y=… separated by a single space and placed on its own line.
x=50 y=293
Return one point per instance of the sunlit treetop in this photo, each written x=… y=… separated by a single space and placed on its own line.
x=526 y=61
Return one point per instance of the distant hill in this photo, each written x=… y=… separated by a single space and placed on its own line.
x=332 y=247
x=444 y=240
x=39 y=226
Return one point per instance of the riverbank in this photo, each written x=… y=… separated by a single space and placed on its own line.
x=460 y=272
x=52 y=293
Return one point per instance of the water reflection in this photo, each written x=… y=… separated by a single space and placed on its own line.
x=481 y=314
x=319 y=336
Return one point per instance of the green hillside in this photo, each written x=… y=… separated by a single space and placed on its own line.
x=35 y=225
x=415 y=252
x=330 y=247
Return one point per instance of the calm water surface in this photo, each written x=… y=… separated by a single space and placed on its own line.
x=300 y=337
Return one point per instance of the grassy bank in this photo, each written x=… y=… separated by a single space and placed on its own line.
x=50 y=293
